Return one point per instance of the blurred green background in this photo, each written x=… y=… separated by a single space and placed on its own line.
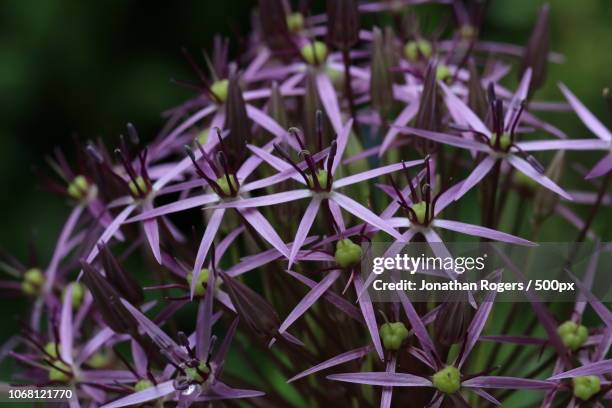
x=87 y=68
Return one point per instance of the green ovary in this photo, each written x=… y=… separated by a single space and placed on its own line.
x=413 y=50
x=142 y=385
x=200 y=288
x=420 y=210
x=443 y=73
x=219 y=89
x=321 y=178
x=393 y=335
x=347 y=253
x=33 y=281
x=314 y=53
x=225 y=186
x=194 y=373
x=78 y=188
x=586 y=387
x=58 y=372
x=504 y=141
x=573 y=335
x=447 y=380
x=295 y=22
x=139 y=187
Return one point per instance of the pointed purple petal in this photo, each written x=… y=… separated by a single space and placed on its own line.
x=444 y=138
x=477 y=325
x=602 y=167
x=336 y=300
x=342 y=137
x=329 y=101
x=180 y=205
x=380 y=171
x=158 y=391
x=110 y=231
x=586 y=116
x=524 y=167
x=519 y=96
x=66 y=333
x=311 y=297
x=402 y=119
x=263 y=228
x=362 y=212
x=382 y=379
x=577 y=144
x=334 y=361
x=419 y=329
x=599 y=368
x=462 y=109
x=365 y=304
x=305 y=224
x=204 y=320
x=159 y=337
x=387 y=393
x=477 y=230
x=266 y=200
x=151 y=230
x=482 y=169
x=61 y=247
x=207 y=239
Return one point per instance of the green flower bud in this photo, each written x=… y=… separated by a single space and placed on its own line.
x=225 y=186
x=201 y=283
x=200 y=289
x=573 y=335
x=393 y=335
x=98 y=360
x=504 y=140
x=321 y=178
x=447 y=380
x=78 y=291
x=194 y=373
x=138 y=187
x=295 y=22
x=420 y=209
x=58 y=372
x=586 y=387
x=347 y=253
x=142 y=385
x=414 y=50
x=51 y=349
x=219 y=89
x=33 y=281
x=78 y=188
x=443 y=73
x=314 y=53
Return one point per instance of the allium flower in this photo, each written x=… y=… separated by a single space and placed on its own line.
x=499 y=143
x=321 y=187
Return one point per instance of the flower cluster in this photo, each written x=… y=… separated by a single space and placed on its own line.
x=244 y=219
